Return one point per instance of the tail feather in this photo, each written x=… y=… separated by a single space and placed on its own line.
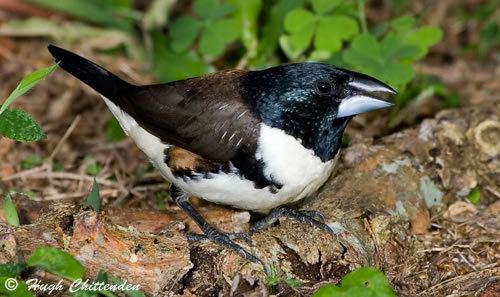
x=98 y=78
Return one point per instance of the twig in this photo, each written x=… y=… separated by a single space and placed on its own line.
x=25 y=173
x=64 y=138
x=63 y=196
x=74 y=176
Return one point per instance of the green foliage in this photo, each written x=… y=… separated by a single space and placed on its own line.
x=12 y=269
x=28 y=82
x=9 y=211
x=272 y=29
x=170 y=66
x=92 y=167
x=474 y=196
x=365 y=281
x=390 y=58
x=113 y=132
x=20 y=291
x=320 y=26
x=15 y=123
x=60 y=263
x=94 y=199
x=489 y=37
x=113 y=13
x=247 y=16
x=161 y=199
x=57 y=262
x=31 y=160
x=272 y=276
x=293 y=283
x=275 y=277
x=211 y=24
x=197 y=41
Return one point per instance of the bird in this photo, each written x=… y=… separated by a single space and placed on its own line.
x=257 y=140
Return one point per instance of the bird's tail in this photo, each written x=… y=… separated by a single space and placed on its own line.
x=98 y=78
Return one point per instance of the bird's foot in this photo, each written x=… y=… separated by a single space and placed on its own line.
x=311 y=217
x=225 y=240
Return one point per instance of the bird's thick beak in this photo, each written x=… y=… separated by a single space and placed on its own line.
x=366 y=95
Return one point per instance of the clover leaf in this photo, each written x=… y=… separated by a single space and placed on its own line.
x=328 y=31
x=390 y=58
x=364 y=281
x=210 y=24
x=368 y=55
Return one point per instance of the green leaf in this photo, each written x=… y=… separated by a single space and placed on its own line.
x=369 y=278
x=113 y=132
x=206 y=8
x=396 y=74
x=272 y=30
x=108 y=13
x=28 y=82
x=393 y=49
x=248 y=17
x=403 y=23
x=11 y=269
x=424 y=38
x=170 y=66
x=301 y=23
x=299 y=19
x=56 y=261
x=32 y=160
x=223 y=10
x=329 y=37
x=215 y=37
x=183 y=32
x=93 y=199
x=293 y=283
x=157 y=14
x=18 y=125
x=363 y=281
x=9 y=211
x=73 y=32
x=324 y=6
x=474 y=196
x=92 y=166
x=21 y=289
x=364 y=54
x=130 y=293
x=367 y=44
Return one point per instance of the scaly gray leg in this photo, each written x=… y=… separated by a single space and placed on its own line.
x=209 y=232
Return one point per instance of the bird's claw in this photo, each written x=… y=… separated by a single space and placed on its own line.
x=310 y=217
x=231 y=236
x=226 y=240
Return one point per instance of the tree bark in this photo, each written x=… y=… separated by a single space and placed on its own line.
x=382 y=195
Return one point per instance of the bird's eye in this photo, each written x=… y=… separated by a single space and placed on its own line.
x=323 y=88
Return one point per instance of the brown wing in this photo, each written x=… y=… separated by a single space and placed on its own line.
x=206 y=115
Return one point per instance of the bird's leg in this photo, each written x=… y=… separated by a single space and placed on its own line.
x=209 y=232
x=311 y=217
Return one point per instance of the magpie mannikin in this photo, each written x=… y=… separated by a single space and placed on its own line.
x=254 y=140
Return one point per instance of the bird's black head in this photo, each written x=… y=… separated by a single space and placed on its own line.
x=312 y=102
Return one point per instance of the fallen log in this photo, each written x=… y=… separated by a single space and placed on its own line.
x=381 y=204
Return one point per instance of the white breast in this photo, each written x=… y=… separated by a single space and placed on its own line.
x=287 y=162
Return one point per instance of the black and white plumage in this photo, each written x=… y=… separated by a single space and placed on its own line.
x=252 y=140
